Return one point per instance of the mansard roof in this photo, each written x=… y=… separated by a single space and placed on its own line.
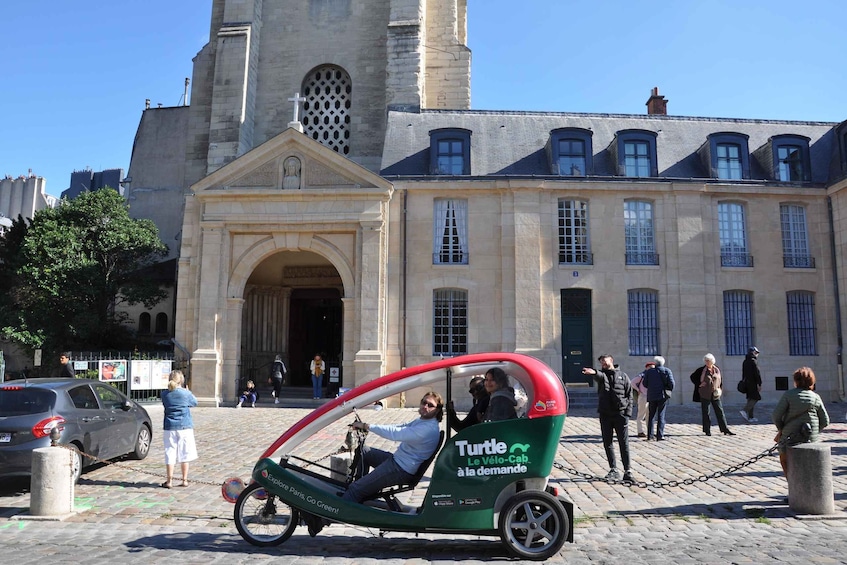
x=513 y=143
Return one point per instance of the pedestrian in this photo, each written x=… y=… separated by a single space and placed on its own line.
x=660 y=385
x=640 y=387
x=752 y=378
x=501 y=396
x=178 y=428
x=248 y=395
x=476 y=388
x=799 y=415
x=277 y=376
x=317 y=367
x=708 y=389
x=67 y=369
x=614 y=405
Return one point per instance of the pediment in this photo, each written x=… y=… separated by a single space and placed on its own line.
x=288 y=162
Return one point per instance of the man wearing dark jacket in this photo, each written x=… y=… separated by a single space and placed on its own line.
x=614 y=404
x=753 y=380
x=476 y=388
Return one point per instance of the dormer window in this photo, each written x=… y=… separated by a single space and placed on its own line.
x=634 y=152
x=726 y=156
x=570 y=152
x=450 y=151
x=787 y=156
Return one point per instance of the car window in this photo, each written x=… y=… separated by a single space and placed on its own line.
x=20 y=401
x=83 y=397
x=109 y=398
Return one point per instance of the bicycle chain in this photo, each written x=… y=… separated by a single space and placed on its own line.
x=667 y=484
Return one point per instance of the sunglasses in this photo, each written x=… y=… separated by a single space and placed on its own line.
x=428 y=404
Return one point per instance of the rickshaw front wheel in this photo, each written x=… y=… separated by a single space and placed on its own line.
x=534 y=525
x=262 y=519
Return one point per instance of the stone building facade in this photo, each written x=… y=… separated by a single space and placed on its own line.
x=23 y=196
x=336 y=193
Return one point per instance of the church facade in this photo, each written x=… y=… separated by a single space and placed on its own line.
x=330 y=190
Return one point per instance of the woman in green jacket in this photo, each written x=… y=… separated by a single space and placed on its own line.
x=800 y=415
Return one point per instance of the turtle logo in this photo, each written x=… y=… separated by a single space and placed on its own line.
x=522 y=447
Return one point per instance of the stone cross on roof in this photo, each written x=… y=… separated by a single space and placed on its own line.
x=297 y=99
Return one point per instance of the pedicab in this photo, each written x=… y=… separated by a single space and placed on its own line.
x=490 y=479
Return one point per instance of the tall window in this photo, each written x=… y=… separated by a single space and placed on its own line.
x=144 y=323
x=801 y=323
x=729 y=161
x=326 y=112
x=450 y=232
x=733 y=235
x=643 y=322
x=790 y=159
x=638 y=232
x=738 y=321
x=637 y=158
x=449 y=322
x=573 y=232
x=572 y=158
x=795 y=237
x=161 y=323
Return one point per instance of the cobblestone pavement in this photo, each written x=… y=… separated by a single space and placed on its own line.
x=122 y=515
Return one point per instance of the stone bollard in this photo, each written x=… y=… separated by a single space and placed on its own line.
x=52 y=484
x=340 y=463
x=810 y=479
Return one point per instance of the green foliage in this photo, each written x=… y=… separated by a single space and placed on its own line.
x=63 y=273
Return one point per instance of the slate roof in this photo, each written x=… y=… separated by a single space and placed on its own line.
x=513 y=143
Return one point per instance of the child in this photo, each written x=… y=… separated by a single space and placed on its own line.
x=248 y=394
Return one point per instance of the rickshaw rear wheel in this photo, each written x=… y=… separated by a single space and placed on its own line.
x=262 y=519
x=534 y=525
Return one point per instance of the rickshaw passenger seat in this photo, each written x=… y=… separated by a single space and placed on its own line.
x=389 y=493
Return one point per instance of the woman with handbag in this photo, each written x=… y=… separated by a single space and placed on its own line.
x=799 y=415
x=708 y=389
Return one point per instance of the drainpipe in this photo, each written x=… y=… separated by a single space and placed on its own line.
x=404 y=259
x=841 y=391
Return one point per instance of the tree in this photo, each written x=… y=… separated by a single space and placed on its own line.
x=65 y=273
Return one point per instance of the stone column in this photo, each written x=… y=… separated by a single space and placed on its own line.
x=369 y=359
x=810 y=479
x=232 y=348
x=205 y=360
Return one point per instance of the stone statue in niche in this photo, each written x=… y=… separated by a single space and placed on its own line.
x=291 y=174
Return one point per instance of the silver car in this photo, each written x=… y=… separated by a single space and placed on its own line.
x=93 y=417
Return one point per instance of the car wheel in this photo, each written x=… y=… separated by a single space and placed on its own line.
x=534 y=525
x=142 y=443
x=77 y=463
x=262 y=519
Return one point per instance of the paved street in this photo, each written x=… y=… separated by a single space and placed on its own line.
x=124 y=516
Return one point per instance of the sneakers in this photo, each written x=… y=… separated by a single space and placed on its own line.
x=253 y=405
x=628 y=476
x=238 y=405
x=273 y=393
x=754 y=420
x=276 y=400
x=745 y=416
x=642 y=434
x=613 y=475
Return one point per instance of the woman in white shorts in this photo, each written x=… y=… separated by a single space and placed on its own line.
x=178 y=428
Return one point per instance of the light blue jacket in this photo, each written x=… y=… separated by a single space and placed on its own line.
x=177 y=403
x=419 y=437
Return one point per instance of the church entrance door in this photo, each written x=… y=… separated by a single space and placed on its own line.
x=315 y=327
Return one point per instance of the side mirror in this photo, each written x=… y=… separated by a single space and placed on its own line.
x=127 y=405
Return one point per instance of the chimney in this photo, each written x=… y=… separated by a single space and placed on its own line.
x=657 y=103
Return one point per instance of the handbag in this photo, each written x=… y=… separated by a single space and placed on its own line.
x=717 y=393
x=742 y=386
x=668 y=393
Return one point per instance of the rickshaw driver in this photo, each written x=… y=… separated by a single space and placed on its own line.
x=419 y=439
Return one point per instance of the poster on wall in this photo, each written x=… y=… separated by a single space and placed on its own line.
x=113 y=370
x=160 y=373
x=140 y=372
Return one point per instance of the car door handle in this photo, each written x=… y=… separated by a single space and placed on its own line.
x=91 y=419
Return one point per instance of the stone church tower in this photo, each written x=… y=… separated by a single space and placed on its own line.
x=268 y=186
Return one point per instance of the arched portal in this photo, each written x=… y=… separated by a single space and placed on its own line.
x=293 y=308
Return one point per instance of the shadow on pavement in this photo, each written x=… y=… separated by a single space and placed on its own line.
x=722 y=511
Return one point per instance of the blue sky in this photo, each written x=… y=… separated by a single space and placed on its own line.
x=77 y=73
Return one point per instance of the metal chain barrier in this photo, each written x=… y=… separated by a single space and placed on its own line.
x=667 y=484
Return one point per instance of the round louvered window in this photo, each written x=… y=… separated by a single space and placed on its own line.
x=326 y=111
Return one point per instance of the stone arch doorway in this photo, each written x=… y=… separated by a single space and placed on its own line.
x=293 y=308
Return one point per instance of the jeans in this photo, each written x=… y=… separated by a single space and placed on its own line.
x=251 y=398
x=316 y=386
x=707 y=420
x=751 y=403
x=386 y=473
x=615 y=424
x=657 y=407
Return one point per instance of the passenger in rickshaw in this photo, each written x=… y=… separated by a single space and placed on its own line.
x=476 y=388
x=501 y=403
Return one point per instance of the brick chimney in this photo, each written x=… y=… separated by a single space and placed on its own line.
x=657 y=103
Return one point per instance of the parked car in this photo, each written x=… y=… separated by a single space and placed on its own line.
x=93 y=417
